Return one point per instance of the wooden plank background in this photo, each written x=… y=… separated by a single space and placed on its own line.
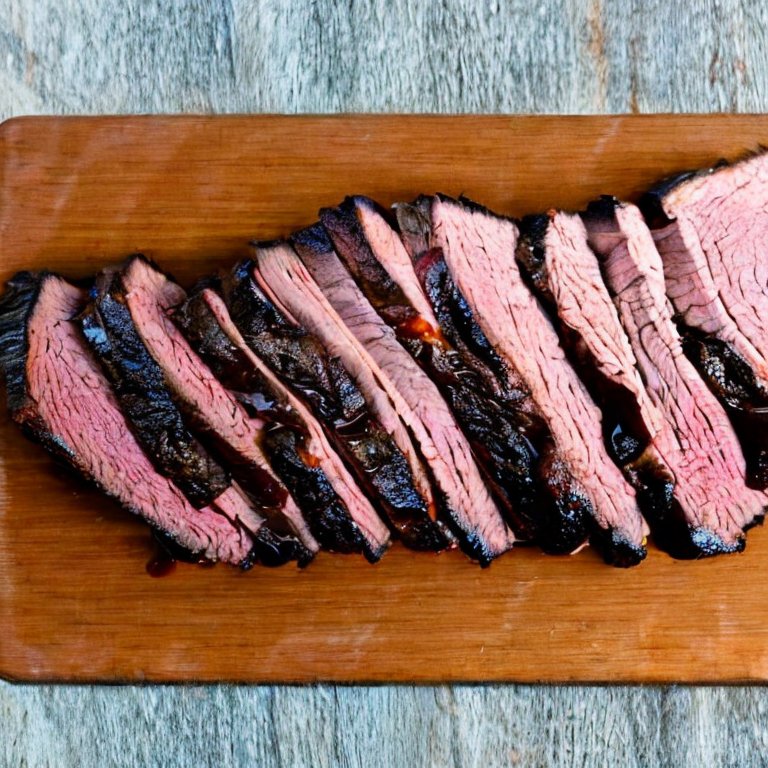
x=567 y=56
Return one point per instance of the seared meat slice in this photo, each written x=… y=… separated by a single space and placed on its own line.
x=374 y=254
x=153 y=371
x=695 y=438
x=558 y=512
x=280 y=272
x=323 y=384
x=151 y=297
x=479 y=249
x=61 y=399
x=400 y=390
x=558 y=262
x=710 y=229
x=340 y=516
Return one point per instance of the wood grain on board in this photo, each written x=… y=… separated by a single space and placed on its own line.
x=76 y=603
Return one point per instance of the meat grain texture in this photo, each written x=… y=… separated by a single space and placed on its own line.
x=436 y=373
x=710 y=228
x=479 y=249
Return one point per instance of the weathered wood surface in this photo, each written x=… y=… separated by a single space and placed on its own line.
x=394 y=55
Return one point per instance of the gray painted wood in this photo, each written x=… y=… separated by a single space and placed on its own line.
x=93 y=56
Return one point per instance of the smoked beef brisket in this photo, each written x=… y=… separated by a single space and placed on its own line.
x=469 y=510
x=710 y=229
x=479 y=249
x=434 y=372
x=558 y=262
x=321 y=381
x=499 y=436
x=406 y=391
x=558 y=505
x=712 y=506
x=119 y=324
x=60 y=398
x=340 y=516
x=233 y=434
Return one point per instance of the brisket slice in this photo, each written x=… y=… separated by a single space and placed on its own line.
x=322 y=383
x=280 y=272
x=555 y=252
x=479 y=249
x=152 y=412
x=374 y=254
x=698 y=442
x=452 y=313
x=556 y=504
x=710 y=229
x=555 y=256
x=340 y=516
x=60 y=398
x=372 y=352
x=237 y=437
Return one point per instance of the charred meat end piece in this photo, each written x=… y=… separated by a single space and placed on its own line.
x=60 y=398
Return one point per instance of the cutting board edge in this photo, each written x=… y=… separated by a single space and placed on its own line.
x=29 y=675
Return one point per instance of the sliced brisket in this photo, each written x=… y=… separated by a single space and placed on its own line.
x=59 y=396
x=340 y=516
x=236 y=435
x=455 y=320
x=555 y=256
x=321 y=381
x=279 y=271
x=555 y=252
x=710 y=229
x=555 y=505
x=696 y=439
x=479 y=249
x=148 y=370
x=374 y=254
x=404 y=390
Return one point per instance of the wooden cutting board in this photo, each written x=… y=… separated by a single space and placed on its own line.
x=76 y=603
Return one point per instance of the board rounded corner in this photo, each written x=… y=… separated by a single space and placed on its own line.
x=14 y=124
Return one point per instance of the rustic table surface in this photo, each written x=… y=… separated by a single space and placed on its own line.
x=89 y=56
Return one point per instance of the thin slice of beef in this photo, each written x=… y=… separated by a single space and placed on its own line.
x=518 y=441
x=456 y=322
x=479 y=249
x=322 y=383
x=696 y=440
x=403 y=391
x=375 y=256
x=555 y=507
x=161 y=429
x=236 y=436
x=280 y=272
x=710 y=229
x=340 y=516
x=360 y=233
x=60 y=398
